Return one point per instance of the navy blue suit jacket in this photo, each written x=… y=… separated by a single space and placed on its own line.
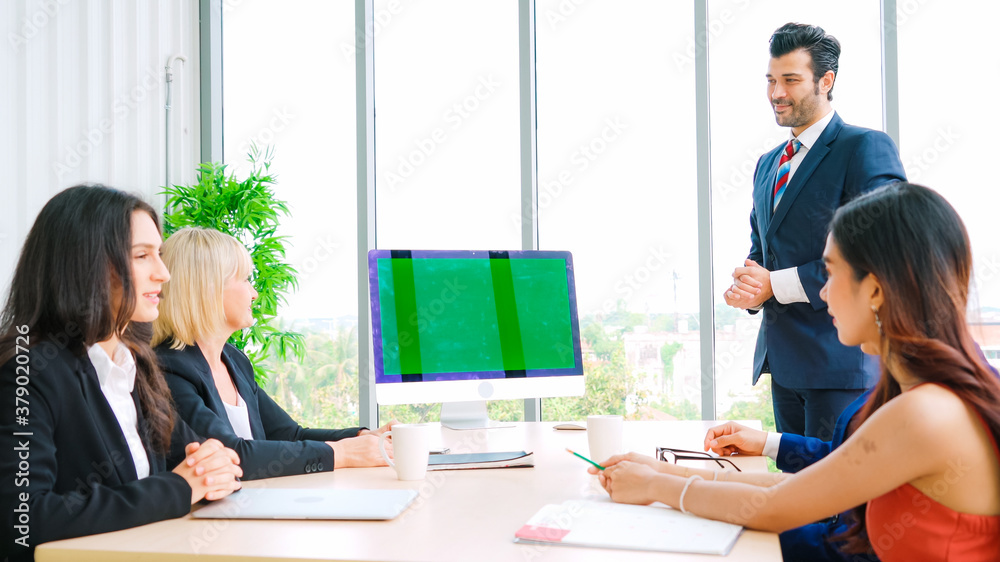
x=796 y=452
x=280 y=446
x=76 y=469
x=798 y=341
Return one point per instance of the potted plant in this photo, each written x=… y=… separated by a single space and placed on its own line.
x=248 y=210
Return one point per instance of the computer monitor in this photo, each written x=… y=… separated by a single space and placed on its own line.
x=463 y=327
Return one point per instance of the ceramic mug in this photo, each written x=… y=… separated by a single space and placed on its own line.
x=411 y=445
x=604 y=435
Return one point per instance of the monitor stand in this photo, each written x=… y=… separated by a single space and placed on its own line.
x=468 y=415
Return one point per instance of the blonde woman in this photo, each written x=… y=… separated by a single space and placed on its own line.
x=208 y=298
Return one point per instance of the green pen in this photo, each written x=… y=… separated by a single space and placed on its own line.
x=599 y=467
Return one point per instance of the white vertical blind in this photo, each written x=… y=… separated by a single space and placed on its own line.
x=82 y=95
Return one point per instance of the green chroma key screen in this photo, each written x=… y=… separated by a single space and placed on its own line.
x=454 y=315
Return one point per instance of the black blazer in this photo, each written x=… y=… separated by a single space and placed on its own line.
x=74 y=469
x=280 y=446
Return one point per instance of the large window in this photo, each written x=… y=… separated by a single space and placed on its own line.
x=616 y=166
x=617 y=187
x=949 y=149
x=289 y=85
x=446 y=137
x=743 y=128
x=446 y=132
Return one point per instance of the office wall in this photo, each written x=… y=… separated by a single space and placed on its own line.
x=82 y=95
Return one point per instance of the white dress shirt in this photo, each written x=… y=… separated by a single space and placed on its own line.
x=239 y=417
x=771 y=445
x=785 y=283
x=117 y=378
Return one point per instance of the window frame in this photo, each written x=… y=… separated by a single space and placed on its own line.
x=210 y=29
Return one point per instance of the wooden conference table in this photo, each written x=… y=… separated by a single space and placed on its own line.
x=460 y=515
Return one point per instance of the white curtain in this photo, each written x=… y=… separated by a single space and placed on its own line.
x=82 y=95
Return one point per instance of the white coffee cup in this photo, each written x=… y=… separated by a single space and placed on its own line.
x=411 y=445
x=604 y=435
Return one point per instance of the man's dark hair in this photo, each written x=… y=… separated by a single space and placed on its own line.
x=821 y=46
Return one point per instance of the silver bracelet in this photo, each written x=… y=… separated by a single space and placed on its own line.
x=690 y=479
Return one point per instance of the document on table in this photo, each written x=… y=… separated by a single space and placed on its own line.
x=631 y=527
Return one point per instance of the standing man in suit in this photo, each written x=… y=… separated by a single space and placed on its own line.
x=797 y=187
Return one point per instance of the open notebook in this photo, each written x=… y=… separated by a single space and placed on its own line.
x=630 y=527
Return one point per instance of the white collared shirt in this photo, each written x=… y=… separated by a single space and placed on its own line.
x=117 y=378
x=239 y=417
x=785 y=283
x=808 y=139
x=771 y=445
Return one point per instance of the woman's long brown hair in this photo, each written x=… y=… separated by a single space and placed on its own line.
x=78 y=251
x=912 y=240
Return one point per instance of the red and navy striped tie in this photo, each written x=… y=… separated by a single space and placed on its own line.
x=784 y=168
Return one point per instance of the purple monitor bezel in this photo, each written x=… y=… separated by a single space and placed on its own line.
x=376 y=312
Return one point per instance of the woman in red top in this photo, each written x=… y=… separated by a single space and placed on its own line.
x=921 y=464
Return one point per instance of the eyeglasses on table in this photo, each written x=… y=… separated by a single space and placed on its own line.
x=667 y=454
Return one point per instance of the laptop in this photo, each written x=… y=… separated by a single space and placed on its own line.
x=308 y=503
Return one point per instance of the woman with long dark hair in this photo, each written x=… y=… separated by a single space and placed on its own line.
x=87 y=425
x=922 y=458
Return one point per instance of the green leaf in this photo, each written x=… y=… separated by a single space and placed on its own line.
x=248 y=210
